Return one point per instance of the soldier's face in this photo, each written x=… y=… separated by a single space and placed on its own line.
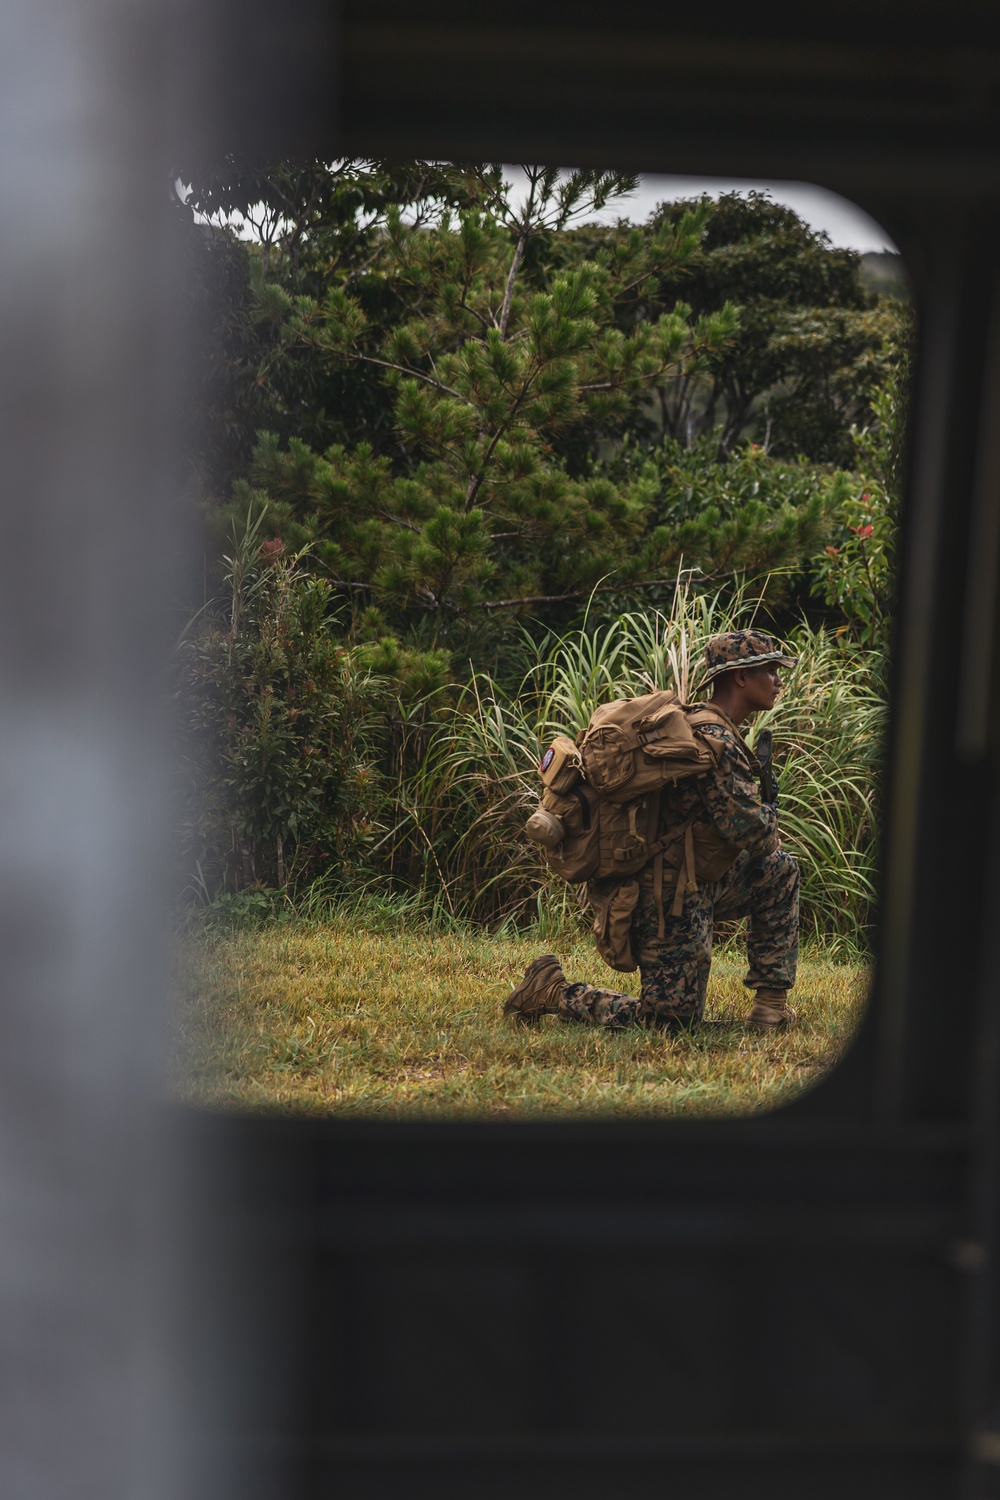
x=763 y=684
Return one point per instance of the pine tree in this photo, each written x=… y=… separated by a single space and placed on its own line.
x=468 y=507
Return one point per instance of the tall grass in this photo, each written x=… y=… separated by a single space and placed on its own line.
x=466 y=802
x=829 y=729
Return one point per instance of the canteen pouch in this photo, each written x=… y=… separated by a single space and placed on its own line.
x=614 y=906
x=561 y=766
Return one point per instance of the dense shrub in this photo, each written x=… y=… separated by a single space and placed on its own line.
x=282 y=725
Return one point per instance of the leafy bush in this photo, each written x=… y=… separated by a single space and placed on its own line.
x=282 y=725
x=746 y=513
x=855 y=573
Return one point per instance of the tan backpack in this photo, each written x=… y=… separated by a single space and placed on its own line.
x=599 y=814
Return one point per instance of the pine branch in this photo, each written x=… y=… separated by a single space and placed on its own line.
x=346 y=583
x=365 y=265
x=388 y=364
x=601 y=588
x=508 y=296
x=387 y=515
x=522 y=240
x=475 y=483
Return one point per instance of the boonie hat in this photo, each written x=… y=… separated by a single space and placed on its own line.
x=742 y=648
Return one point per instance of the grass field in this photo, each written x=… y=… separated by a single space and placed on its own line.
x=347 y=1018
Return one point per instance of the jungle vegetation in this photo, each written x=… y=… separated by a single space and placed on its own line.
x=467 y=463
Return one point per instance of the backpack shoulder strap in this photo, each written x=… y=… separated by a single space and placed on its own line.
x=699 y=715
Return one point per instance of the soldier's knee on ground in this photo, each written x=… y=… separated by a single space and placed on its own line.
x=668 y=1008
x=670 y=1021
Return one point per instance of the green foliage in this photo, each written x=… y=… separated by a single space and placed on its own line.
x=281 y=724
x=855 y=573
x=499 y=355
x=474 y=409
x=811 y=342
x=829 y=728
x=310 y=221
x=313 y=757
x=748 y=514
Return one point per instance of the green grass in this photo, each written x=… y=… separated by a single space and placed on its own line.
x=376 y=1018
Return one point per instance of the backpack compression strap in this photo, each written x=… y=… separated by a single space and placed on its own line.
x=687 y=880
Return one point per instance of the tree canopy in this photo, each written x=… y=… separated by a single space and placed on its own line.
x=476 y=407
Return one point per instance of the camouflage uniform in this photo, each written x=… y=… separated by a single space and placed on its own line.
x=675 y=968
x=762 y=884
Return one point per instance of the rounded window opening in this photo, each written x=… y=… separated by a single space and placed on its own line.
x=533 y=692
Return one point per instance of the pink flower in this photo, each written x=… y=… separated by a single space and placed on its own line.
x=864 y=532
x=271 y=551
x=833 y=551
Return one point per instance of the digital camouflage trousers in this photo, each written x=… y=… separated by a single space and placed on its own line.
x=674 y=968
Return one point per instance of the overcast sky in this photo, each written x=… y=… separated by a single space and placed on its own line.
x=845 y=223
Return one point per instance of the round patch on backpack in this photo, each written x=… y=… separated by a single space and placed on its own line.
x=547 y=759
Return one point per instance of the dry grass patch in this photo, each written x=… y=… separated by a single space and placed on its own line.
x=347 y=1019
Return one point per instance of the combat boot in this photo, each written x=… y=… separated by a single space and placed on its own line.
x=771 y=1009
x=540 y=990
